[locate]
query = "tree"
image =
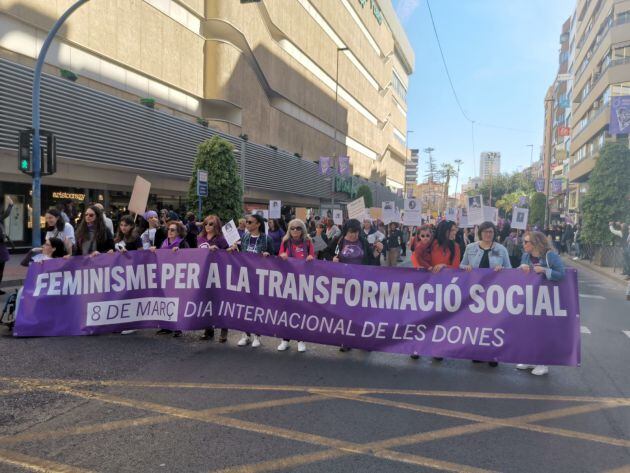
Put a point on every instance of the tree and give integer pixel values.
(607, 197)
(365, 192)
(225, 194)
(537, 209)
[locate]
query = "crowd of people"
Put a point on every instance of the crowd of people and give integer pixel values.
(433, 247)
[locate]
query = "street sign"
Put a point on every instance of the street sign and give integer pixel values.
(202, 183)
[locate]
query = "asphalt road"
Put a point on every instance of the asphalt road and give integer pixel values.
(147, 403)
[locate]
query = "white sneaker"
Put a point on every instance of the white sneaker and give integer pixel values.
(127, 332)
(284, 345)
(540, 370)
(521, 366)
(243, 341)
(255, 341)
(301, 347)
(575, 258)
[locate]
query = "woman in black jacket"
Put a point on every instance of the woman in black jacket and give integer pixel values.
(92, 236)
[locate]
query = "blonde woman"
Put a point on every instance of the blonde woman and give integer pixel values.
(296, 244)
(540, 258)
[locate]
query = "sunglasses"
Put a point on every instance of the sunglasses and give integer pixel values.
(90, 215)
(210, 224)
(295, 228)
(172, 229)
(425, 236)
(251, 222)
(527, 241)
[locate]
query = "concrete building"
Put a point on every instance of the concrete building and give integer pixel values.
(432, 196)
(411, 170)
(599, 63)
(489, 164)
(298, 79)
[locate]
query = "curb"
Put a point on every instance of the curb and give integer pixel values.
(595, 269)
(12, 283)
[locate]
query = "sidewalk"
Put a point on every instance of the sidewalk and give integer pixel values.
(607, 272)
(14, 274)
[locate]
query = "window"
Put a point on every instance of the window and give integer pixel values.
(399, 88)
(621, 53)
(623, 17)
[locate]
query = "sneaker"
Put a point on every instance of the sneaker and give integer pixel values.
(493, 364)
(255, 341)
(163, 331)
(437, 358)
(575, 258)
(243, 341)
(208, 334)
(540, 370)
(177, 333)
(415, 356)
(344, 349)
(284, 345)
(521, 366)
(127, 332)
(301, 347)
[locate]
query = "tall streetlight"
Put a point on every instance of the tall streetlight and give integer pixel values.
(37, 156)
(334, 153)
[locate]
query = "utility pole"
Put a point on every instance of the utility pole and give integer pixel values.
(459, 162)
(334, 153)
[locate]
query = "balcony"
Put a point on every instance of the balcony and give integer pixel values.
(591, 120)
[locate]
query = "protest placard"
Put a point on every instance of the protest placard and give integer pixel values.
(356, 208)
(519, 218)
(491, 214)
(475, 210)
(230, 233)
(139, 196)
(338, 216)
(274, 208)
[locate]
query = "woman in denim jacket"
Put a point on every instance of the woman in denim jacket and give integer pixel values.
(486, 253)
(539, 257)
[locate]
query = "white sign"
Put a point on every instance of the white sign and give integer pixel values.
(139, 196)
(338, 216)
(230, 232)
(491, 214)
(389, 212)
(412, 218)
(356, 208)
(274, 208)
(451, 214)
(463, 218)
(475, 210)
(414, 205)
(519, 218)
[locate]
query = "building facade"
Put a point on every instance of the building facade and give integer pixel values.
(599, 68)
(286, 81)
(411, 170)
(489, 164)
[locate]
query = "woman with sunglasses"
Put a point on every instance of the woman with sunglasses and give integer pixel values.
(296, 244)
(353, 248)
(421, 256)
(92, 236)
(541, 259)
(212, 239)
(254, 241)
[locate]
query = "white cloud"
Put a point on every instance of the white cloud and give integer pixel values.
(405, 9)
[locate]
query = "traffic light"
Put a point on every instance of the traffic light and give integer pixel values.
(48, 154)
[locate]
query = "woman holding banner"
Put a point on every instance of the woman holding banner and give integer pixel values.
(445, 253)
(353, 248)
(212, 239)
(540, 258)
(421, 255)
(57, 227)
(255, 240)
(486, 253)
(126, 238)
(296, 244)
(92, 235)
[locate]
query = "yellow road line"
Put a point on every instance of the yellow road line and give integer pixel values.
(36, 464)
(348, 390)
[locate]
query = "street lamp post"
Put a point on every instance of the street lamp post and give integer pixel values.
(334, 153)
(37, 156)
(459, 162)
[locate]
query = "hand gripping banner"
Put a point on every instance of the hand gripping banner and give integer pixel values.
(505, 316)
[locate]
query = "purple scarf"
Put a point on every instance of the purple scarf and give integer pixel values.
(168, 246)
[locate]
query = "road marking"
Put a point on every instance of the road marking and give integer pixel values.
(584, 329)
(36, 464)
(54, 385)
(592, 296)
(627, 332)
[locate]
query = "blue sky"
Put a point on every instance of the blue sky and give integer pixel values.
(502, 56)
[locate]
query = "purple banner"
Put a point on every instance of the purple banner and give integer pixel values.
(344, 165)
(324, 165)
(508, 316)
(539, 184)
(620, 115)
(556, 186)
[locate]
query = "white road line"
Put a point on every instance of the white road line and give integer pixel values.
(627, 332)
(591, 296)
(584, 329)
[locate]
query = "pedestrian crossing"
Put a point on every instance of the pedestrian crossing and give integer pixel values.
(587, 331)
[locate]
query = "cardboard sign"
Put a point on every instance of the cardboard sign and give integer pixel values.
(491, 214)
(412, 218)
(274, 208)
(139, 196)
(451, 214)
(519, 218)
(390, 213)
(356, 208)
(475, 210)
(414, 205)
(230, 232)
(338, 216)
